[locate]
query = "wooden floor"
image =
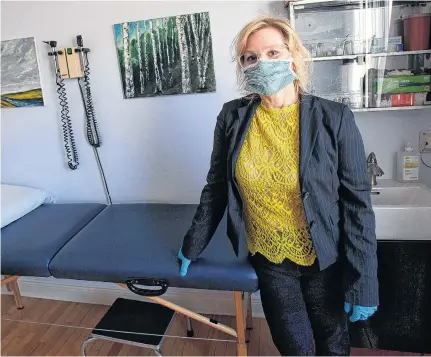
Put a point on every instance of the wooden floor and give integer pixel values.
(26, 339)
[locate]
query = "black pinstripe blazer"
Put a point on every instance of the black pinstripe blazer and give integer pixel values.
(335, 188)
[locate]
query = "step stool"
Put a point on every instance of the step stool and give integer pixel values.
(137, 317)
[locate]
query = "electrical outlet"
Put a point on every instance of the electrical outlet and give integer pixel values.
(425, 141)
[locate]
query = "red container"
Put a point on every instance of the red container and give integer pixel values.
(417, 32)
(403, 100)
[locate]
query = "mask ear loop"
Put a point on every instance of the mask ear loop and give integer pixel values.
(290, 60)
(291, 68)
(296, 81)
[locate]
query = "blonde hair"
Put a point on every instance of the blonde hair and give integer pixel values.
(300, 55)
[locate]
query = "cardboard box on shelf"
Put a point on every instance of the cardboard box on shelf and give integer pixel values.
(404, 84)
(391, 44)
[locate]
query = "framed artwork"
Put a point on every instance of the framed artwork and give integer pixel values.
(20, 76)
(170, 55)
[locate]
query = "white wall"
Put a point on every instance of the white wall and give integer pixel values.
(386, 133)
(150, 150)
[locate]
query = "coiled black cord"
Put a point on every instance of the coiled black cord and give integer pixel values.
(92, 127)
(69, 140)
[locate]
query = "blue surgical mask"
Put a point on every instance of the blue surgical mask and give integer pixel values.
(267, 77)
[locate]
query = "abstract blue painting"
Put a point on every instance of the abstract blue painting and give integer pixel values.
(20, 77)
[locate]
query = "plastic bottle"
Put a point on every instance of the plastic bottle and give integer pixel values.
(407, 164)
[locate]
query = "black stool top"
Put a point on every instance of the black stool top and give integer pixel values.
(135, 316)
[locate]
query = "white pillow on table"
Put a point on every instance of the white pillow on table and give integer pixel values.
(17, 201)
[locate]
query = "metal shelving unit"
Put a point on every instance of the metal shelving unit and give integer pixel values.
(369, 55)
(381, 109)
(372, 64)
(401, 53)
(333, 58)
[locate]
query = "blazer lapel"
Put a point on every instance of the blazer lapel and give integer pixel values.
(308, 129)
(245, 115)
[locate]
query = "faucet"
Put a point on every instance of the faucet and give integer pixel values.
(373, 169)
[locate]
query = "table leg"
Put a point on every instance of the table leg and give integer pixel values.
(12, 283)
(16, 294)
(249, 319)
(240, 324)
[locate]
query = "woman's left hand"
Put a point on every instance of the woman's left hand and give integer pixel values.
(359, 312)
(184, 263)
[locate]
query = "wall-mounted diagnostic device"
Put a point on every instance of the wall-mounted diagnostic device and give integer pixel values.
(71, 63)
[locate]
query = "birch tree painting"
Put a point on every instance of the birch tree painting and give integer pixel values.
(171, 55)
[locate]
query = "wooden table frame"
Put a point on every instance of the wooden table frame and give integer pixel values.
(11, 281)
(244, 321)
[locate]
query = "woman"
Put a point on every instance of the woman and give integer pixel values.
(292, 168)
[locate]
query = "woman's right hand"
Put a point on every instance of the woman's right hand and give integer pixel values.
(184, 263)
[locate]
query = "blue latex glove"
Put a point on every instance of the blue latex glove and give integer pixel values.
(359, 312)
(184, 263)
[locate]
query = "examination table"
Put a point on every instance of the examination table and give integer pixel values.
(132, 245)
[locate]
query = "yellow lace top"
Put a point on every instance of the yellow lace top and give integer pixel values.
(268, 175)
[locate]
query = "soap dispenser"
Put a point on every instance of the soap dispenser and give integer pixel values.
(407, 164)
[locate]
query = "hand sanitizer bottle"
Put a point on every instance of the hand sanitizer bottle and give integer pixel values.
(407, 164)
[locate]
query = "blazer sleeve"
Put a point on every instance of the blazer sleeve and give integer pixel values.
(213, 200)
(357, 216)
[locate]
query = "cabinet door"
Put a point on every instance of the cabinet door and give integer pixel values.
(398, 58)
(367, 53)
(333, 33)
(403, 320)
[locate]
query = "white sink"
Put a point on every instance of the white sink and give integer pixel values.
(402, 197)
(403, 211)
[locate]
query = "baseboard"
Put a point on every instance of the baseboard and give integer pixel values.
(201, 301)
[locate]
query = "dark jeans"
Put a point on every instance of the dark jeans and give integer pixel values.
(301, 304)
